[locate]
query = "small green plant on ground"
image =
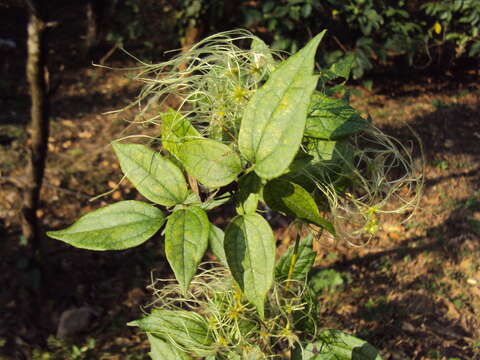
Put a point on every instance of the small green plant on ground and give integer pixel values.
(263, 134)
(57, 349)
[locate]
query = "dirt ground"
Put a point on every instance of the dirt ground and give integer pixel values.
(414, 292)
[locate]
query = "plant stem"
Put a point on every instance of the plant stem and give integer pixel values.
(294, 259)
(193, 184)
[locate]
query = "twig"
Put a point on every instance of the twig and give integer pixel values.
(340, 44)
(108, 54)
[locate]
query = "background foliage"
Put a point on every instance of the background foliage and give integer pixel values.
(410, 34)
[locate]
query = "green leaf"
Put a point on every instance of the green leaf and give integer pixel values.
(176, 129)
(293, 200)
(336, 345)
(185, 328)
(306, 10)
(186, 240)
(333, 158)
(250, 252)
(155, 177)
(274, 119)
(248, 194)
(335, 166)
(304, 263)
(321, 150)
(192, 199)
(216, 202)
(209, 204)
(302, 160)
(322, 161)
(122, 225)
(262, 55)
(332, 119)
(340, 68)
(210, 162)
(216, 238)
(326, 281)
(162, 350)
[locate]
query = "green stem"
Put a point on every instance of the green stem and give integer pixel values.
(294, 259)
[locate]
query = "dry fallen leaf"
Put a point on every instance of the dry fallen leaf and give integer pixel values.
(69, 123)
(85, 134)
(55, 181)
(67, 144)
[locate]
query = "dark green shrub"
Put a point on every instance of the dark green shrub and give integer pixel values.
(373, 31)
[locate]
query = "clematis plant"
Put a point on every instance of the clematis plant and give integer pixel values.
(259, 133)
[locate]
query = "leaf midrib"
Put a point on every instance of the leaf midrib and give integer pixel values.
(148, 174)
(66, 231)
(253, 226)
(293, 80)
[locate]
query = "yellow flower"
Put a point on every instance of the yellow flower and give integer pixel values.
(437, 28)
(212, 323)
(372, 225)
(221, 341)
(239, 94)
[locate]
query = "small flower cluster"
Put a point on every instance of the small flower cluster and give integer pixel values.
(210, 83)
(233, 324)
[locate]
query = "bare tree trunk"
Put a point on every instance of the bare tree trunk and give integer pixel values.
(91, 26)
(95, 11)
(39, 122)
(193, 32)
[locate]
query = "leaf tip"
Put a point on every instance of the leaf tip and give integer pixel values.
(55, 234)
